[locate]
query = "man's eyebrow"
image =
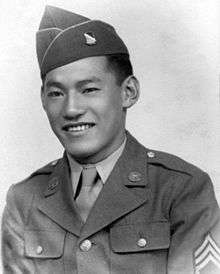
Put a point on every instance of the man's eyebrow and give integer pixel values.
(78, 84)
(54, 84)
(87, 81)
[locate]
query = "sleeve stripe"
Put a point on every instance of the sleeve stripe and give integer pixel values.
(206, 252)
(208, 241)
(205, 262)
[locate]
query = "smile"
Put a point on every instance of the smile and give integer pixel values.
(77, 128)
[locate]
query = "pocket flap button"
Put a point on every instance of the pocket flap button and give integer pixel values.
(142, 242)
(39, 249)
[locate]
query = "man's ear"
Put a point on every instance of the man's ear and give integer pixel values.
(130, 91)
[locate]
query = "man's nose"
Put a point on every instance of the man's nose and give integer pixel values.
(73, 107)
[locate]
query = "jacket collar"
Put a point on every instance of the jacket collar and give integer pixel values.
(115, 200)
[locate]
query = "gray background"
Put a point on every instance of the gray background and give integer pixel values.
(175, 52)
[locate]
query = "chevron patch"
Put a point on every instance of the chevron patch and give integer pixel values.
(207, 253)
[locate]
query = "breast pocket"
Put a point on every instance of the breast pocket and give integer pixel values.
(140, 248)
(140, 237)
(44, 244)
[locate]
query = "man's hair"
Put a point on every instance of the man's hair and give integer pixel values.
(120, 65)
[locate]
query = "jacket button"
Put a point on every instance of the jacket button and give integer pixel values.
(39, 249)
(142, 242)
(151, 154)
(86, 245)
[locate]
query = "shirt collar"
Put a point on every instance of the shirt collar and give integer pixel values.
(103, 167)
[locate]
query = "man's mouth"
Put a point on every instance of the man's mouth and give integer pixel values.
(78, 127)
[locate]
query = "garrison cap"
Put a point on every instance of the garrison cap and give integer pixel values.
(64, 37)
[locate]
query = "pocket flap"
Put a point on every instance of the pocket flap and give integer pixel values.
(44, 244)
(140, 237)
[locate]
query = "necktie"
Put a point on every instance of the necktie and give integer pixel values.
(91, 186)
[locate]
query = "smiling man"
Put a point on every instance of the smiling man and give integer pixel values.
(109, 205)
(86, 107)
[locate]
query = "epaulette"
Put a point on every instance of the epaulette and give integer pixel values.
(47, 169)
(171, 162)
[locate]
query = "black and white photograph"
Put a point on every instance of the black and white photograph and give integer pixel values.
(110, 137)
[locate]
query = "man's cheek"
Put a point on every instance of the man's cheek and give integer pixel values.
(53, 121)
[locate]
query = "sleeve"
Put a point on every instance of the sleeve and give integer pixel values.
(13, 258)
(195, 228)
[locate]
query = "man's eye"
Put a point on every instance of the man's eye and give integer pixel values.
(88, 90)
(54, 94)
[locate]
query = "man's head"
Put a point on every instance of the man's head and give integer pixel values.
(86, 98)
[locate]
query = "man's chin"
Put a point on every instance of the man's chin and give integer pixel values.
(81, 154)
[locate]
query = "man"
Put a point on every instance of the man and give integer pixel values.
(109, 205)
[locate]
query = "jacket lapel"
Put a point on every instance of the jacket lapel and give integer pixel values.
(57, 203)
(117, 198)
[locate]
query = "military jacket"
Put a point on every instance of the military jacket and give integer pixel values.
(155, 214)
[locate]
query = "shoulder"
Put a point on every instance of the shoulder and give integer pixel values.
(20, 196)
(160, 160)
(34, 183)
(178, 173)
(180, 181)
(162, 163)
(172, 162)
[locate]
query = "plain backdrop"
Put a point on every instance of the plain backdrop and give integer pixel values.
(174, 47)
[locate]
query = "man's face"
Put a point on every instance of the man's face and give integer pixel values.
(84, 105)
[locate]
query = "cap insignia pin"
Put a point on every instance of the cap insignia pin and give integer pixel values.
(90, 38)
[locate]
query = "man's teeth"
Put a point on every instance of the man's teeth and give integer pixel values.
(78, 128)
